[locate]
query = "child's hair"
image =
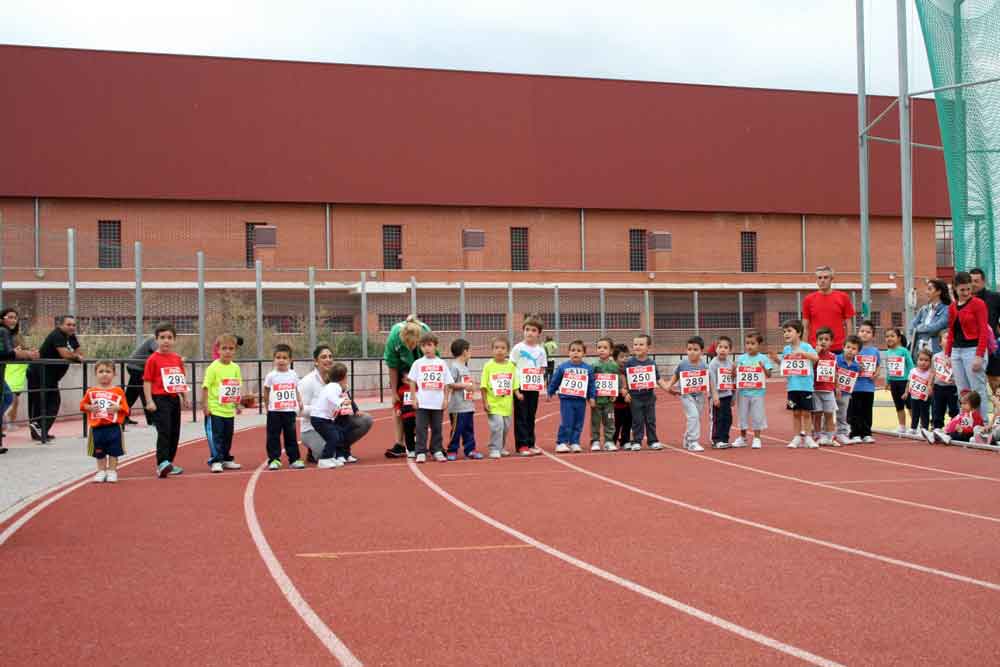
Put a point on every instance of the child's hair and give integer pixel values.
(697, 340)
(899, 334)
(824, 331)
(428, 337)
(320, 349)
(942, 333)
(337, 372)
(583, 346)
(607, 340)
(459, 346)
(282, 347)
(724, 339)
(972, 398)
(754, 336)
(532, 321)
(104, 363)
(853, 340)
(649, 339)
(548, 338)
(792, 324)
(925, 353)
(500, 339)
(164, 326)
(867, 323)
(618, 350)
(226, 338)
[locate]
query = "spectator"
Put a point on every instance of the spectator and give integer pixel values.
(135, 366)
(827, 307)
(968, 339)
(400, 352)
(43, 405)
(931, 319)
(10, 349)
(551, 348)
(992, 300)
(357, 425)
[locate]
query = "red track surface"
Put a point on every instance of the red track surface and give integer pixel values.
(165, 572)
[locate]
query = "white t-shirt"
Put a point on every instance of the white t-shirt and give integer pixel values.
(309, 388)
(432, 376)
(284, 394)
(528, 356)
(328, 402)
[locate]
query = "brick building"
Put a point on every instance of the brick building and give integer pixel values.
(677, 203)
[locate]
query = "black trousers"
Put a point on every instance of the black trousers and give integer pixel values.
(945, 399)
(134, 391)
(722, 419)
(167, 420)
(623, 424)
(281, 424)
(920, 413)
(44, 398)
(859, 413)
(524, 419)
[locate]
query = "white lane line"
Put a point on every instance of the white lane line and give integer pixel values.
(332, 642)
(913, 465)
(780, 531)
(628, 584)
(823, 485)
(895, 480)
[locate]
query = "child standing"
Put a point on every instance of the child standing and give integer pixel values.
(863, 397)
(963, 427)
(752, 371)
(848, 371)
(531, 360)
(106, 411)
(283, 400)
(165, 388)
(623, 413)
(607, 383)
(722, 382)
(220, 397)
(898, 364)
(641, 379)
(498, 384)
(919, 388)
(460, 405)
(692, 378)
(573, 380)
(945, 398)
(326, 406)
(429, 377)
(824, 386)
(797, 362)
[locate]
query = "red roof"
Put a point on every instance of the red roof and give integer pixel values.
(126, 125)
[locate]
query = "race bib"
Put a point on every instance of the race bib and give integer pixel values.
(501, 383)
(641, 377)
(965, 422)
(532, 379)
(283, 397)
(407, 398)
(606, 384)
(749, 377)
(346, 409)
(725, 379)
(468, 394)
(174, 381)
(432, 377)
(918, 387)
(574, 383)
(229, 391)
(826, 371)
(104, 401)
(942, 371)
(894, 367)
(846, 379)
(793, 364)
(868, 363)
(694, 382)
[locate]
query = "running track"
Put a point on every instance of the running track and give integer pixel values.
(875, 554)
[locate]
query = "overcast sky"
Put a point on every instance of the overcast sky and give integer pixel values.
(796, 44)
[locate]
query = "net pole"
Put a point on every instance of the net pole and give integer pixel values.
(202, 310)
(863, 183)
(312, 307)
(906, 167)
(259, 285)
(71, 269)
(138, 293)
(364, 315)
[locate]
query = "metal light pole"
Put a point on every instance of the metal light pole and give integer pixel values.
(866, 260)
(906, 168)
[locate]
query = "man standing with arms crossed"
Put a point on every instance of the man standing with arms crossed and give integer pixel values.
(827, 307)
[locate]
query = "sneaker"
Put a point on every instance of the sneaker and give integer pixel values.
(868, 439)
(610, 447)
(739, 442)
(476, 456)
(841, 439)
(856, 440)
(112, 477)
(636, 446)
(440, 457)
(36, 431)
(494, 453)
(796, 442)
(163, 469)
(351, 458)
(535, 451)
(575, 448)
(231, 465)
(342, 459)
(900, 431)
(397, 451)
(810, 443)
(656, 445)
(692, 446)
(755, 444)
(452, 456)
(720, 445)
(176, 470)
(562, 448)
(410, 454)
(298, 464)
(914, 434)
(825, 440)
(100, 477)
(927, 435)
(524, 451)
(328, 463)
(504, 453)
(595, 446)
(216, 467)
(421, 458)
(130, 422)
(274, 464)
(941, 436)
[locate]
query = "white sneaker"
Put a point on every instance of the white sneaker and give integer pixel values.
(755, 444)
(100, 477)
(216, 467)
(595, 446)
(796, 442)
(900, 431)
(494, 453)
(868, 439)
(914, 433)
(842, 439)
(504, 453)
(942, 436)
(440, 457)
(610, 447)
(231, 465)
(739, 442)
(656, 445)
(856, 440)
(636, 446)
(824, 440)
(328, 463)
(411, 454)
(810, 443)
(342, 460)
(112, 476)
(928, 435)
(576, 449)
(421, 458)
(720, 445)
(352, 459)
(562, 448)
(694, 447)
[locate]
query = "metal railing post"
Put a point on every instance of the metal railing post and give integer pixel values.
(364, 316)
(649, 313)
(312, 308)
(259, 279)
(694, 303)
(71, 270)
(510, 312)
(601, 301)
(798, 303)
(461, 308)
(555, 297)
(138, 292)
(739, 298)
(413, 295)
(201, 304)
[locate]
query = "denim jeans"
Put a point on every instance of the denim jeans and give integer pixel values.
(968, 380)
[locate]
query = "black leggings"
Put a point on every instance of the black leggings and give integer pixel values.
(897, 389)
(945, 399)
(920, 413)
(859, 413)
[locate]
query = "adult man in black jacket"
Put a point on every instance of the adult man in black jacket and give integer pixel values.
(43, 405)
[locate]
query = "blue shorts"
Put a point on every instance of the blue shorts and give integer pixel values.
(106, 441)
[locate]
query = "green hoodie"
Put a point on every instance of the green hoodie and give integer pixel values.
(609, 366)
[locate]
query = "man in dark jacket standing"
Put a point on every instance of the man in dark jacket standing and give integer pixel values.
(43, 405)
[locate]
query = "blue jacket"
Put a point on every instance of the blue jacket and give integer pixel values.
(557, 380)
(919, 331)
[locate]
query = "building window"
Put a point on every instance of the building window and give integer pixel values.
(943, 235)
(109, 244)
(392, 246)
(251, 239)
(637, 249)
(748, 252)
(518, 248)
(897, 319)
(787, 316)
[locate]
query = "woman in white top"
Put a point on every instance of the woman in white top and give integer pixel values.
(309, 387)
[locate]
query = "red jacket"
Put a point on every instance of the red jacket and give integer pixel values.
(972, 319)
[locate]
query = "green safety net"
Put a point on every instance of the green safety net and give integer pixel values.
(963, 46)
